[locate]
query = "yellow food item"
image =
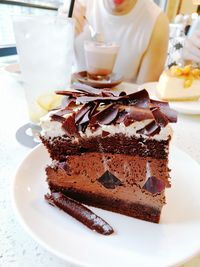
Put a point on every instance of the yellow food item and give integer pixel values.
(36, 113)
(43, 105)
(187, 73)
(187, 83)
(173, 85)
(49, 101)
(187, 69)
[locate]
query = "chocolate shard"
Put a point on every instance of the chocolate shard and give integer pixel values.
(70, 102)
(69, 126)
(93, 111)
(109, 181)
(82, 127)
(62, 112)
(106, 94)
(128, 121)
(83, 111)
(91, 91)
(86, 89)
(140, 99)
(105, 133)
(160, 118)
(165, 109)
(85, 99)
(69, 93)
(138, 114)
(79, 212)
(85, 119)
(106, 116)
(154, 185)
(150, 129)
(121, 116)
(122, 93)
(55, 117)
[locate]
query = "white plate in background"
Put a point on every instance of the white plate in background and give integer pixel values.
(185, 107)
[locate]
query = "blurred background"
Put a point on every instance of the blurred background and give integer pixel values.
(181, 14)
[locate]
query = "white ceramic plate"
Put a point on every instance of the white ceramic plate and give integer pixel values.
(186, 107)
(135, 242)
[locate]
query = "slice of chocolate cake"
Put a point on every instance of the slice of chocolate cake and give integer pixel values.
(110, 150)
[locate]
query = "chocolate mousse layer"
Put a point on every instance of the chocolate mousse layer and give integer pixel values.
(131, 185)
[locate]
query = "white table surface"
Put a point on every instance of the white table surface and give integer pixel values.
(16, 247)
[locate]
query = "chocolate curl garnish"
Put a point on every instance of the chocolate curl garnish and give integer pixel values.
(58, 118)
(93, 111)
(74, 93)
(82, 117)
(69, 126)
(79, 212)
(140, 99)
(165, 109)
(160, 118)
(62, 112)
(106, 116)
(106, 94)
(85, 99)
(150, 129)
(91, 91)
(82, 112)
(138, 114)
(70, 103)
(122, 93)
(121, 116)
(86, 89)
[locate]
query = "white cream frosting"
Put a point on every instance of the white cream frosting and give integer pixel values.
(52, 129)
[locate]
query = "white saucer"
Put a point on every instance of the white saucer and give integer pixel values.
(135, 242)
(14, 70)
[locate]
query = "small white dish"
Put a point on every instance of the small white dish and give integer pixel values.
(185, 107)
(14, 70)
(135, 242)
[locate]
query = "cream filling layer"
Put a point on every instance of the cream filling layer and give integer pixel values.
(53, 129)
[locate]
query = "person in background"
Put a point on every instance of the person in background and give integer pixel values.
(191, 49)
(139, 27)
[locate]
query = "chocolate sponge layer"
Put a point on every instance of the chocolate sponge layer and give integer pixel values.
(60, 147)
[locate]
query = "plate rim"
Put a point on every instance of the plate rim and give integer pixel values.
(48, 248)
(22, 221)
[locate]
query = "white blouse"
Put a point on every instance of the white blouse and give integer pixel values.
(132, 32)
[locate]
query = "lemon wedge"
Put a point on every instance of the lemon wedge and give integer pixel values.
(49, 101)
(36, 113)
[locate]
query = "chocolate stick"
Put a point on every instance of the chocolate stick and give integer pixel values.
(79, 212)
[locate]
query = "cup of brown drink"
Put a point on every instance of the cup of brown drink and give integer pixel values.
(100, 59)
